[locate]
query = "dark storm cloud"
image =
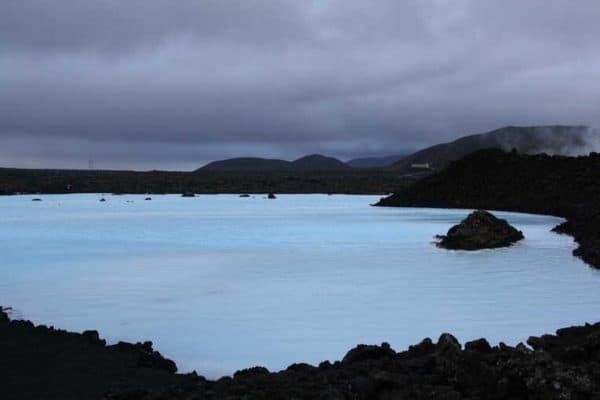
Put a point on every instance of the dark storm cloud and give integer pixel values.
(164, 84)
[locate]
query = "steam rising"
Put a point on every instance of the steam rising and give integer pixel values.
(553, 140)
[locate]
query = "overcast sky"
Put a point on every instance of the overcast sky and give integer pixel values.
(163, 84)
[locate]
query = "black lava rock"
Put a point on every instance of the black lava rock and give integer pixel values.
(479, 345)
(369, 352)
(447, 344)
(480, 230)
(3, 316)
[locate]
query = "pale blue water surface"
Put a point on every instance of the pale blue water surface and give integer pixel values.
(220, 283)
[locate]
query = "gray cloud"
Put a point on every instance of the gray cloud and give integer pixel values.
(163, 84)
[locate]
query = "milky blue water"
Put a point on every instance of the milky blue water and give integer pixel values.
(220, 283)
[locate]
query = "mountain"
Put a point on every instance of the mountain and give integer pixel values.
(552, 139)
(317, 162)
(374, 162)
(247, 164)
(313, 162)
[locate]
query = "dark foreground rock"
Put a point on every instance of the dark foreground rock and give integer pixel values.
(567, 187)
(480, 230)
(40, 362)
(44, 363)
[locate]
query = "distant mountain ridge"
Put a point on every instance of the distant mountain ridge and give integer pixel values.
(319, 162)
(375, 162)
(246, 164)
(312, 162)
(551, 139)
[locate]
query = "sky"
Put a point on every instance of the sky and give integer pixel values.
(163, 84)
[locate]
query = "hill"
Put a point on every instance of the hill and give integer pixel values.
(552, 139)
(247, 164)
(374, 162)
(495, 180)
(313, 162)
(317, 162)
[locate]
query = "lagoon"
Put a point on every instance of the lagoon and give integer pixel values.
(221, 283)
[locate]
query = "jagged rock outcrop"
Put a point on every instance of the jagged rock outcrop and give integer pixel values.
(480, 230)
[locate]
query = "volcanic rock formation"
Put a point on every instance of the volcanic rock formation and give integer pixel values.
(480, 230)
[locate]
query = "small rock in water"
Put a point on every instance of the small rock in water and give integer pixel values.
(188, 194)
(148, 198)
(36, 199)
(244, 195)
(271, 196)
(102, 200)
(480, 230)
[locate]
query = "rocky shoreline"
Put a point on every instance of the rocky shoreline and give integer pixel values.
(566, 187)
(42, 362)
